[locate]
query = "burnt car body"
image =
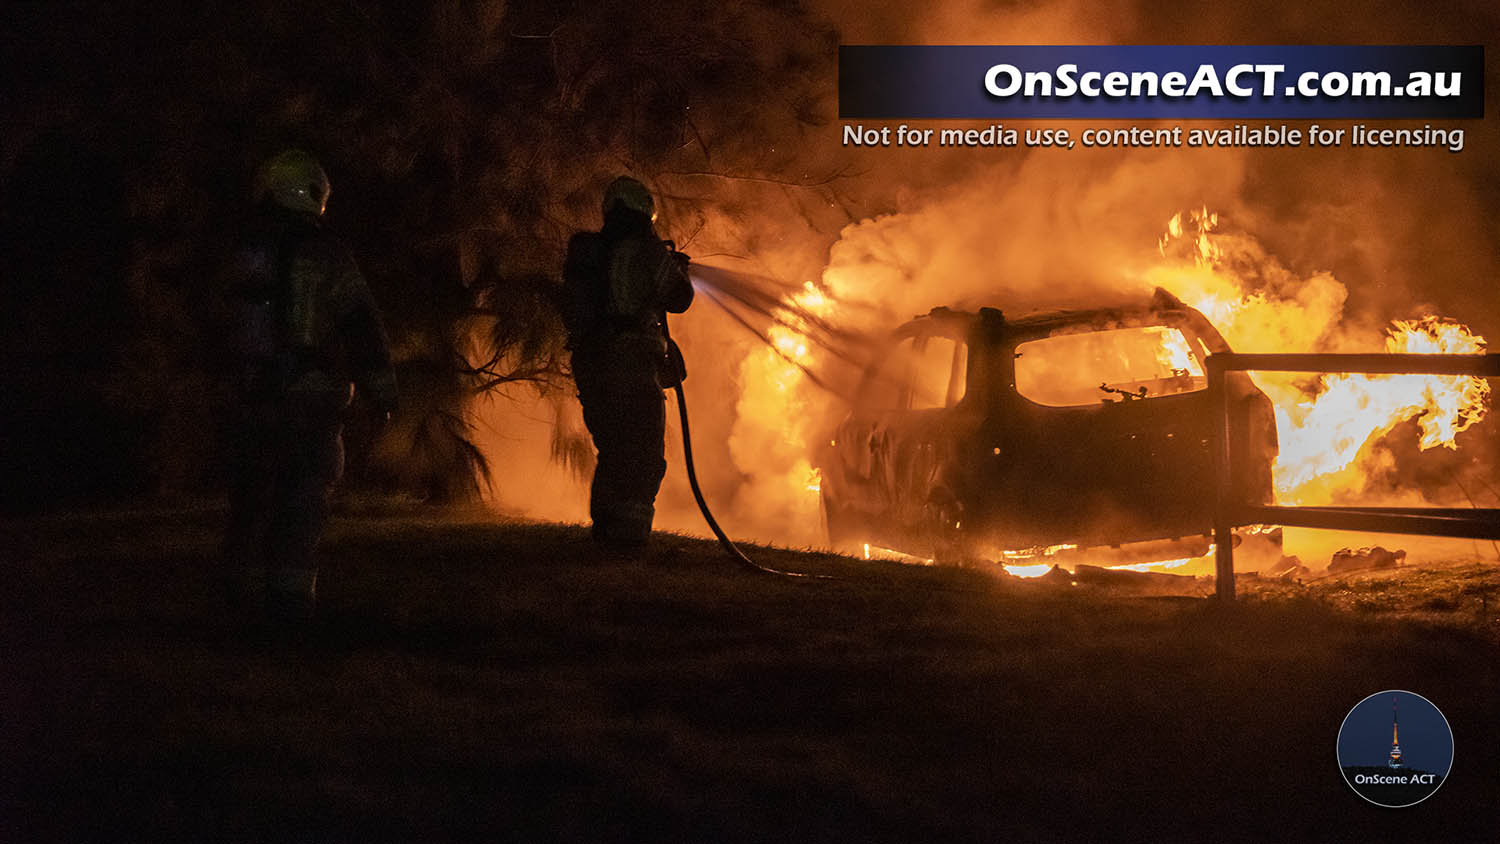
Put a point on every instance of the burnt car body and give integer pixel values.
(972, 436)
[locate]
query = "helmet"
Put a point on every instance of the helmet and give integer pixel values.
(631, 194)
(294, 180)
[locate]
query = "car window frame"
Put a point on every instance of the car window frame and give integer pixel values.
(919, 333)
(1191, 332)
(875, 370)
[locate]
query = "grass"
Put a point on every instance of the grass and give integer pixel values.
(475, 680)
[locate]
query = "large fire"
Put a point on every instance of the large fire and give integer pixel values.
(1325, 423)
(1325, 426)
(1322, 437)
(778, 416)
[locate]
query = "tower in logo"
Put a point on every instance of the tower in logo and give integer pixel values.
(1395, 760)
(1385, 774)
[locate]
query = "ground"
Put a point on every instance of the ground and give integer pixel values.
(473, 679)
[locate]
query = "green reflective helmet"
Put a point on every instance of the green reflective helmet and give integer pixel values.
(631, 194)
(293, 179)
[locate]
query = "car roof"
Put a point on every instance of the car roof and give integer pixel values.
(1160, 306)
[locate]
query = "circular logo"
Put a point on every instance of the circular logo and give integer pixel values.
(1395, 748)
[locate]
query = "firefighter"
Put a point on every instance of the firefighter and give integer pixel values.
(302, 331)
(618, 284)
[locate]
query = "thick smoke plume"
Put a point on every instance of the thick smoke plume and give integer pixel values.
(1316, 250)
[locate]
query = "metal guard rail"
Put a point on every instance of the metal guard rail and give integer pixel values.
(1229, 513)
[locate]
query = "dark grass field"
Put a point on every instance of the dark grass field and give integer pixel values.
(471, 680)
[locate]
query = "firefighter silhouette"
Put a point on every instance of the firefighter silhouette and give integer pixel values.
(302, 330)
(618, 284)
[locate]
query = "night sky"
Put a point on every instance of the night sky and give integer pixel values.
(1425, 744)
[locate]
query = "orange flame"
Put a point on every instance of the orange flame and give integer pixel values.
(1321, 438)
(1323, 431)
(774, 430)
(1258, 305)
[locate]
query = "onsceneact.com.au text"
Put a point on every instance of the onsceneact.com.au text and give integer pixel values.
(1241, 80)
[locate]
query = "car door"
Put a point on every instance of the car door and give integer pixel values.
(1117, 438)
(919, 440)
(863, 439)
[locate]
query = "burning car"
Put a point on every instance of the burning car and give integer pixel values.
(974, 437)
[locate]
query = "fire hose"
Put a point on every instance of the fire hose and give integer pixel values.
(728, 544)
(675, 355)
(724, 541)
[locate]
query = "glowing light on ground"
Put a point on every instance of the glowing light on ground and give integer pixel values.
(1029, 571)
(1033, 553)
(1156, 566)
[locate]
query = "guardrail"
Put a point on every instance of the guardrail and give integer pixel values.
(1470, 523)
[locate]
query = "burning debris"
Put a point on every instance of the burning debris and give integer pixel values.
(1086, 575)
(1374, 557)
(1287, 568)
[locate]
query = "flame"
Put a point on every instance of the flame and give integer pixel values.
(1033, 569)
(775, 426)
(1323, 430)
(1326, 424)
(1154, 566)
(1042, 551)
(1039, 569)
(1322, 437)
(1029, 571)
(815, 480)
(1175, 353)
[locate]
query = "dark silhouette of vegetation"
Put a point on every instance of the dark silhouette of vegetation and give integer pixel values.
(465, 141)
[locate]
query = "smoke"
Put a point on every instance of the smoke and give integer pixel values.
(517, 428)
(1322, 248)
(1064, 229)
(1405, 229)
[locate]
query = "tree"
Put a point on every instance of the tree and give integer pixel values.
(465, 142)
